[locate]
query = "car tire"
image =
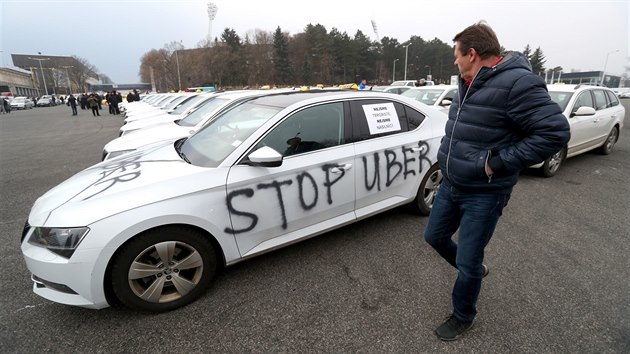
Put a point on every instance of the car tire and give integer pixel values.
(610, 141)
(552, 164)
(427, 191)
(163, 269)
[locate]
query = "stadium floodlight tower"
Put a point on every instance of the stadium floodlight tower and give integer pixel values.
(375, 27)
(212, 13)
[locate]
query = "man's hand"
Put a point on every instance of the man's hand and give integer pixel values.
(489, 171)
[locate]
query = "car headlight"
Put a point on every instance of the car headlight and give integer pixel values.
(118, 153)
(62, 241)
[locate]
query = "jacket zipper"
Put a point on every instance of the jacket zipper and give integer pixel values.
(450, 144)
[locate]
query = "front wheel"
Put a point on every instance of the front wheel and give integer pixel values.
(163, 269)
(427, 191)
(610, 142)
(552, 164)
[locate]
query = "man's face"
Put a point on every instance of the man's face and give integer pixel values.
(463, 61)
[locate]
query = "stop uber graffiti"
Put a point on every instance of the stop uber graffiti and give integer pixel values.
(398, 163)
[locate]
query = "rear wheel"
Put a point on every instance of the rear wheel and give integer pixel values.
(610, 141)
(427, 191)
(552, 164)
(163, 269)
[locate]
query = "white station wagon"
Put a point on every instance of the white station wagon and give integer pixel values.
(151, 228)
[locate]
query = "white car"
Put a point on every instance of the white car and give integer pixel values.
(440, 96)
(151, 228)
(596, 118)
(161, 130)
(22, 103)
(132, 124)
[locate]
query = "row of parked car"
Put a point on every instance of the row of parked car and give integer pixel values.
(199, 181)
(21, 102)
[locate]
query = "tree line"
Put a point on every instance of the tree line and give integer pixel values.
(315, 56)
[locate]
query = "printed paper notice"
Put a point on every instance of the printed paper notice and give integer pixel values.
(381, 118)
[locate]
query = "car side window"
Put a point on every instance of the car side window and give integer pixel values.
(612, 99)
(308, 130)
(414, 117)
(451, 94)
(583, 100)
(384, 118)
(600, 99)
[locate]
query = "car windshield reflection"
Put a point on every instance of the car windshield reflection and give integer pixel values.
(217, 140)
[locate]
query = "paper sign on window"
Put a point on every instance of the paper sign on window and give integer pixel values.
(381, 118)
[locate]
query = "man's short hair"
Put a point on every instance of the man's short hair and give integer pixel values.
(481, 37)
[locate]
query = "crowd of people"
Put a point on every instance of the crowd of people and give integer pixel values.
(92, 101)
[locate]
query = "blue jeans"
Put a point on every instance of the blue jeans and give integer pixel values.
(476, 216)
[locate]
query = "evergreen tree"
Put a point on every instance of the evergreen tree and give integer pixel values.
(537, 61)
(281, 62)
(528, 52)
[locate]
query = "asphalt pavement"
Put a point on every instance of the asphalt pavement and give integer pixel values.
(559, 268)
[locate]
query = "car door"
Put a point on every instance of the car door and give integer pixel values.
(310, 193)
(607, 114)
(390, 153)
(582, 127)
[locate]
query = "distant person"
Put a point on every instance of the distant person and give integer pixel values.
(1, 105)
(83, 101)
(72, 102)
(421, 82)
(6, 105)
(93, 102)
(363, 84)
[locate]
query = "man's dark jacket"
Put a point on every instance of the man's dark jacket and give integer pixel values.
(506, 118)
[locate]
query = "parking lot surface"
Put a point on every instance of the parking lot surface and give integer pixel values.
(559, 268)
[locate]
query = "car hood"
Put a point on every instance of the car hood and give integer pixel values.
(121, 184)
(149, 121)
(149, 135)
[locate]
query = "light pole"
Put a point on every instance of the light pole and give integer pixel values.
(394, 71)
(179, 78)
(429, 66)
(42, 69)
(406, 52)
(606, 64)
(68, 77)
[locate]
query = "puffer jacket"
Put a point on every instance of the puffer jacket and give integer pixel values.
(506, 118)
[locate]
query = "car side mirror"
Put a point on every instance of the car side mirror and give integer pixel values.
(446, 102)
(584, 111)
(264, 157)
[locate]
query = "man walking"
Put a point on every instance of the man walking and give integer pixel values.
(502, 122)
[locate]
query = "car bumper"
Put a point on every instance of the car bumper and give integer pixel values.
(67, 281)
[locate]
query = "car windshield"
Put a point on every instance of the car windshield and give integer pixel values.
(19, 99)
(177, 101)
(217, 140)
(191, 102)
(428, 97)
(561, 98)
(202, 112)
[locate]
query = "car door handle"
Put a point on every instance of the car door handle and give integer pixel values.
(341, 168)
(422, 148)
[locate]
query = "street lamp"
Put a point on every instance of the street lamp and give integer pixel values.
(606, 64)
(394, 71)
(42, 69)
(406, 52)
(179, 78)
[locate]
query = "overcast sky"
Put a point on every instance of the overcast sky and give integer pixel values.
(114, 34)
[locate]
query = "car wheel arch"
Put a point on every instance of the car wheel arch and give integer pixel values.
(107, 278)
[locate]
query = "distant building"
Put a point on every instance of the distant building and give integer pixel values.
(62, 74)
(586, 77)
(17, 83)
(141, 87)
